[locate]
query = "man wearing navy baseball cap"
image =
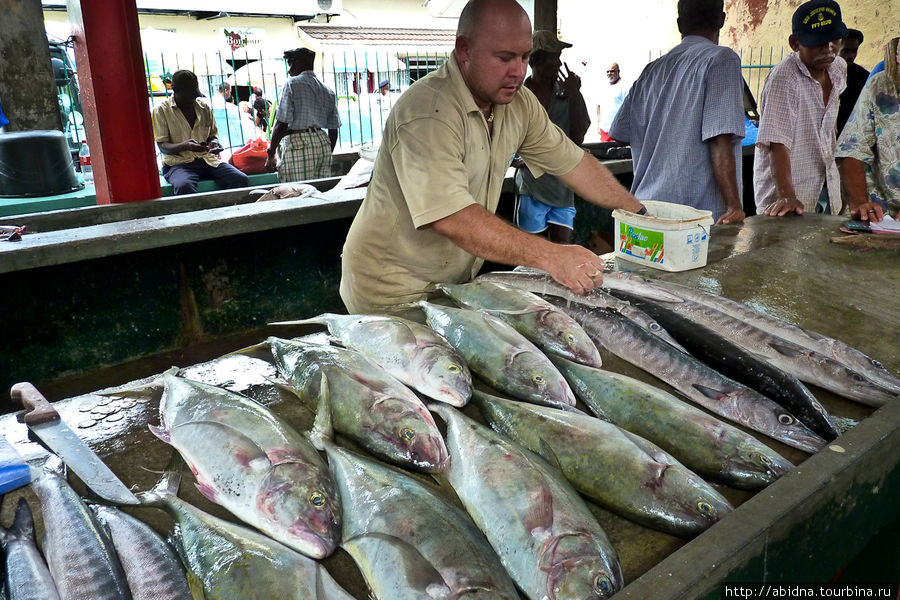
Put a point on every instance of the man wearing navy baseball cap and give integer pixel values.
(794, 169)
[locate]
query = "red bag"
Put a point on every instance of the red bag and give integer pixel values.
(251, 158)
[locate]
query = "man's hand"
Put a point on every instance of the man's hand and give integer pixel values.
(868, 211)
(214, 147)
(784, 206)
(193, 145)
(575, 267)
(270, 164)
(732, 215)
(570, 82)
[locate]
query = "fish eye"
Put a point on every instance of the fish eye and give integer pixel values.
(602, 584)
(765, 460)
(317, 499)
(785, 419)
(538, 379)
(570, 339)
(654, 326)
(705, 507)
(407, 434)
(453, 368)
(877, 363)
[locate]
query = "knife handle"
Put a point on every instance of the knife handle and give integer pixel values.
(39, 410)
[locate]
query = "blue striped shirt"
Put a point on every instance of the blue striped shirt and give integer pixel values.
(680, 101)
(306, 102)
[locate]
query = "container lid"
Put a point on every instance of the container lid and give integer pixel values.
(666, 215)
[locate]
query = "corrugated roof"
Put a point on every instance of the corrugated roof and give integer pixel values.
(377, 36)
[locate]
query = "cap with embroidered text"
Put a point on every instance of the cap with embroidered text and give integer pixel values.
(818, 22)
(546, 40)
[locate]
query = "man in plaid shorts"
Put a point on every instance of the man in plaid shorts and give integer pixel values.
(305, 110)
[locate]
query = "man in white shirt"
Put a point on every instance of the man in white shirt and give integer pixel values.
(611, 99)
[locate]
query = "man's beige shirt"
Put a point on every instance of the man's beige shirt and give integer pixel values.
(169, 125)
(436, 158)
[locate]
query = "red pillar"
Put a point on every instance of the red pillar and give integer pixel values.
(115, 100)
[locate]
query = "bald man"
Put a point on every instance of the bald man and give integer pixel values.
(611, 99)
(428, 215)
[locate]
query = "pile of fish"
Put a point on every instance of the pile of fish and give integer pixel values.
(522, 456)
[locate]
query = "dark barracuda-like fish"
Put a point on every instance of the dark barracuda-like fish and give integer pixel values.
(408, 541)
(251, 462)
(500, 355)
(410, 351)
(365, 403)
(26, 574)
(546, 326)
(705, 444)
(539, 282)
(233, 562)
(544, 534)
(80, 556)
(733, 361)
(621, 471)
(845, 354)
(705, 386)
(153, 570)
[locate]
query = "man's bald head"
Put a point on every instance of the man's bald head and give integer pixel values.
(478, 16)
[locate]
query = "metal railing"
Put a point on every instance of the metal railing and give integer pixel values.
(756, 64)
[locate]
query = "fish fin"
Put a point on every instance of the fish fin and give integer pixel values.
(195, 585)
(417, 572)
(498, 312)
(161, 432)
(318, 320)
(23, 523)
(709, 392)
(540, 517)
(261, 350)
(788, 349)
(152, 389)
(207, 489)
(284, 386)
(549, 455)
(322, 429)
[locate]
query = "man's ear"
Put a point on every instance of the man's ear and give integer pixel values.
(793, 42)
(721, 21)
(463, 48)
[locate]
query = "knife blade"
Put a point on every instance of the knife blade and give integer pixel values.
(45, 423)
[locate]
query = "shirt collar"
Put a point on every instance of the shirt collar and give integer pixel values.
(691, 40)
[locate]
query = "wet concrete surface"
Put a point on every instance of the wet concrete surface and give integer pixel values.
(785, 267)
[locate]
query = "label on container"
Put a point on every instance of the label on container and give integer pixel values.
(85, 161)
(644, 244)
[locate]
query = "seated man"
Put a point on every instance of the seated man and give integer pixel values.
(178, 124)
(869, 147)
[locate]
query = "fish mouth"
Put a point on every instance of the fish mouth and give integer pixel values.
(430, 456)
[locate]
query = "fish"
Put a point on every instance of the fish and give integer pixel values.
(806, 365)
(543, 284)
(543, 324)
(500, 355)
(845, 354)
(232, 561)
(408, 540)
(152, 568)
(80, 556)
(26, 574)
(546, 537)
(745, 367)
(708, 446)
(416, 355)
(365, 403)
(621, 471)
(700, 383)
(252, 463)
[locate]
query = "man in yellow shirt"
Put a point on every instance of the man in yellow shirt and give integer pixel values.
(428, 215)
(185, 131)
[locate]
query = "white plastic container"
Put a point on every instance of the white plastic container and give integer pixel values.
(670, 237)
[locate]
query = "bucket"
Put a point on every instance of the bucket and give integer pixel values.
(36, 163)
(670, 237)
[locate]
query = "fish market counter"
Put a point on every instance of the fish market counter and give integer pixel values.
(198, 290)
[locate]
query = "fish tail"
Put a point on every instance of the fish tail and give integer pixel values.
(150, 389)
(23, 523)
(322, 431)
(167, 485)
(322, 319)
(438, 409)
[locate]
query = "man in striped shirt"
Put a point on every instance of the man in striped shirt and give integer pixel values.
(305, 110)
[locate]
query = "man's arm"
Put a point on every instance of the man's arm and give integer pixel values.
(190, 145)
(479, 232)
(721, 154)
(784, 186)
(278, 132)
(593, 182)
(333, 136)
(853, 178)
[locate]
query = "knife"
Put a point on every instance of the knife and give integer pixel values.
(44, 422)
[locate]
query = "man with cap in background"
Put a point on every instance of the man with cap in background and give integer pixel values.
(856, 76)
(545, 204)
(306, 109)
(794, 169)
(684, 119)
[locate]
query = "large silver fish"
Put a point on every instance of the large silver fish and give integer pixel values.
(26, 574)
(501, 355)
(231, 561)
(621, 471)
(252, 463)
(410, 542)
(410, 351)
(80, 556)
(539, 282)
(694, 379)
(546, 326)
(153, 570)
(365, 402)
(845, 354)
(705, 444)
(544, 534)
